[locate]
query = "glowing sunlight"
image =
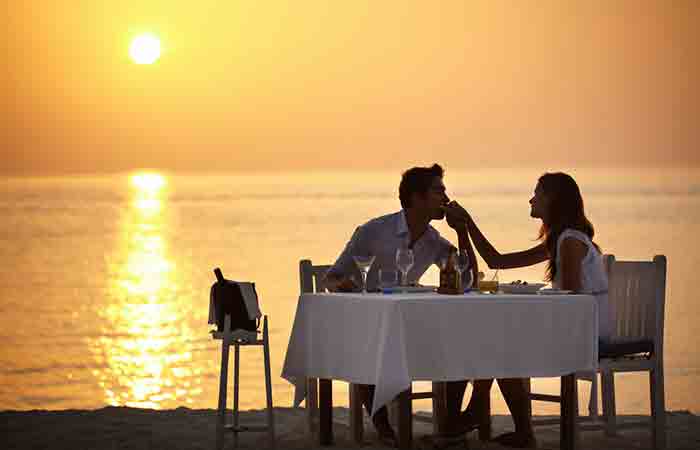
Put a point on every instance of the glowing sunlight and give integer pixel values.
(144, 347)
(145, 49)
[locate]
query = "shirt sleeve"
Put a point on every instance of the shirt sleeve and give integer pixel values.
(356, 246)
(445, 247)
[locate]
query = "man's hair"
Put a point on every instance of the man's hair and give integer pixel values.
(417, 180)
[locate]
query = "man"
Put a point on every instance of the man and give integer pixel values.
(423, 199)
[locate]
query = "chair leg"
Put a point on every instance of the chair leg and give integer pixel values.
(439, 408)
(236, 367)
(485, 426)
(356, 415)
(658, 409)
(312, 413)
(221, 416)
(325, 416)
(405, 420)
(527, 383)
(268, 386)
(607, 384)
(593, 400)
(569, 412)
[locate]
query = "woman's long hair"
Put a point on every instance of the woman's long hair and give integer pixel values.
(565, 211)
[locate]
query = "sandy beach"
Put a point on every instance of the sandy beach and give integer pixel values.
(182, 428)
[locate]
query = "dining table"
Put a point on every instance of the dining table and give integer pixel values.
(392, 339)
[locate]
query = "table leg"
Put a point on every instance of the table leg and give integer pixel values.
(325, 400)
(485, 422)
(405, 423)
(569, 411)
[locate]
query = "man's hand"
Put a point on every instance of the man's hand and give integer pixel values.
(340, 284)
(347, 285)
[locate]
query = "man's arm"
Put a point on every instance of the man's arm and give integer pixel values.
(339, 276)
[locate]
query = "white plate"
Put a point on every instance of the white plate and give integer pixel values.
(553, 292)
(530, 288)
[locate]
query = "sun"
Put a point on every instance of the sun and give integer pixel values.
(145, 49)
(148, 181)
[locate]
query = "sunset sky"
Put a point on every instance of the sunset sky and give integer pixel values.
(292, 85)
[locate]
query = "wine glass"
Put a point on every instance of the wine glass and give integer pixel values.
(404, 261)
(364, 263)
(461, 266)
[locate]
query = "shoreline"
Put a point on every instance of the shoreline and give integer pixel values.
(118, 427)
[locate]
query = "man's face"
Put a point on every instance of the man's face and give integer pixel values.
(433, 201)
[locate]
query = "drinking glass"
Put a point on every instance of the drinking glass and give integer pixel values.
(466, 278)
(404, 261)
(364, 263)
(489, 283)
(388, 279)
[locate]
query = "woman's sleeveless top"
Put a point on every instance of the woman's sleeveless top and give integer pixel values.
(594, 279)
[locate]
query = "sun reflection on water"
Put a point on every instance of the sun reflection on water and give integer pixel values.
(145, 344)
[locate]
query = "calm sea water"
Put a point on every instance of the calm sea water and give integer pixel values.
(104, 281)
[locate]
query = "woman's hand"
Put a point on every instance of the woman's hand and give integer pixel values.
(456, 213)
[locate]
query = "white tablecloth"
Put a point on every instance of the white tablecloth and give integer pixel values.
(391, 340)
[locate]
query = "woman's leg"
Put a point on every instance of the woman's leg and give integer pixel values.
(477, 409)
(480, 398)
(381, 417)
(518, 401)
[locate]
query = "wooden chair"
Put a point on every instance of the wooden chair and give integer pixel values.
(637, 295)
(238, 338)
(312, 279)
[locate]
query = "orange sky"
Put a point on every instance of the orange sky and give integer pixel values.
(263, 85)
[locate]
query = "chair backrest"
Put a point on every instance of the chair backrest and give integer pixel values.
(311, 278)
(637, 295)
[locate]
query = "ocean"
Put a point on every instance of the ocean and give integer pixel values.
(104, 280)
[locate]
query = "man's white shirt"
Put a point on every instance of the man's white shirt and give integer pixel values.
(381, 237)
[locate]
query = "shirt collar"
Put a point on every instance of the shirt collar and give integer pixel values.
(402, 226)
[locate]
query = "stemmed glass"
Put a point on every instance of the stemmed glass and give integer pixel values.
(404, 261)
(461, 266)
(489, 281)
(364, 263)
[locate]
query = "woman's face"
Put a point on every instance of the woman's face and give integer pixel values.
(539, 204)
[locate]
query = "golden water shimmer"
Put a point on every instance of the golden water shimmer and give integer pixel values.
(144, 344)
(105, 291)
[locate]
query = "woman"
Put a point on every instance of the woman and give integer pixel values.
(574, 263)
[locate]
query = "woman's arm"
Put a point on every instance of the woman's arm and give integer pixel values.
(493, 258)
(463, 236)
(571, 254)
